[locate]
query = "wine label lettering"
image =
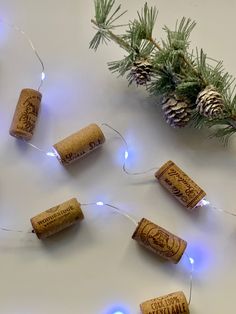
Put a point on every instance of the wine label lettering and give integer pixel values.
(179, 184)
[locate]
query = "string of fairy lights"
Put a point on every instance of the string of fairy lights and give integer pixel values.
(79, 144)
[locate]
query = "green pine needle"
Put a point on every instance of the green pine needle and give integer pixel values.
(179, 38)
(103, 14)
(104, 21)
(146, 21)
(121, 66)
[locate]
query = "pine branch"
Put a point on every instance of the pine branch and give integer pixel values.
(121, 66)
(179, 38)
(104, 34)
(104, 22)
(178, 41)
(169, 68)
(224, 134)
(146, 22)
(154, 43)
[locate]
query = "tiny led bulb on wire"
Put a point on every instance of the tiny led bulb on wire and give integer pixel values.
(126, 155)
(191, 260)
(43, 76)
(51, 154)
(203, 202)
(99, 203)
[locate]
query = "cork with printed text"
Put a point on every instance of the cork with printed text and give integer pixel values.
(26, 114)
(174, 303)
(57, 218)
(79, 144)
(159, 241)
(180, 185)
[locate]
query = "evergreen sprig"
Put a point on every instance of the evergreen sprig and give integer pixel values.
(143, 26)
(104, 21)
(179, 38)
(174, 69)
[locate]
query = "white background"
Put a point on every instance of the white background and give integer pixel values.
(96, 267)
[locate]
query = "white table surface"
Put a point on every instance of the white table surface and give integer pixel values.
(96, 267)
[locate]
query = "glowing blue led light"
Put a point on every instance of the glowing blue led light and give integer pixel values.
(101, 204)
(51, 154)
(117, 310)
(191, 260)
(43, 76)
(126, 157)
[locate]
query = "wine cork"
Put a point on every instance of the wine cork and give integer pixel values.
(79, 144)
(178, 183)
(174, 303)
(57, 218)
(26, 114)
(159, 241)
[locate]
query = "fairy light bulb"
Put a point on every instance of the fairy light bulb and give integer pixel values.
(119, 312)
(51, 154)
(204, 202)
(126, 155)
(191, 260)
(101, 204)
(43, 75)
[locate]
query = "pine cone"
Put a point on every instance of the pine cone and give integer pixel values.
(141, 72)
(210, 103)
(177, 111)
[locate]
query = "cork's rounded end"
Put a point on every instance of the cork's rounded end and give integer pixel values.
(102, 137)
(20, 134)
(159, 172)
(181, 293)
(78, 205)
(32, 91)
(55, 151)
(184, 245)
(35, 229)
(195, 203)
(137, 229)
